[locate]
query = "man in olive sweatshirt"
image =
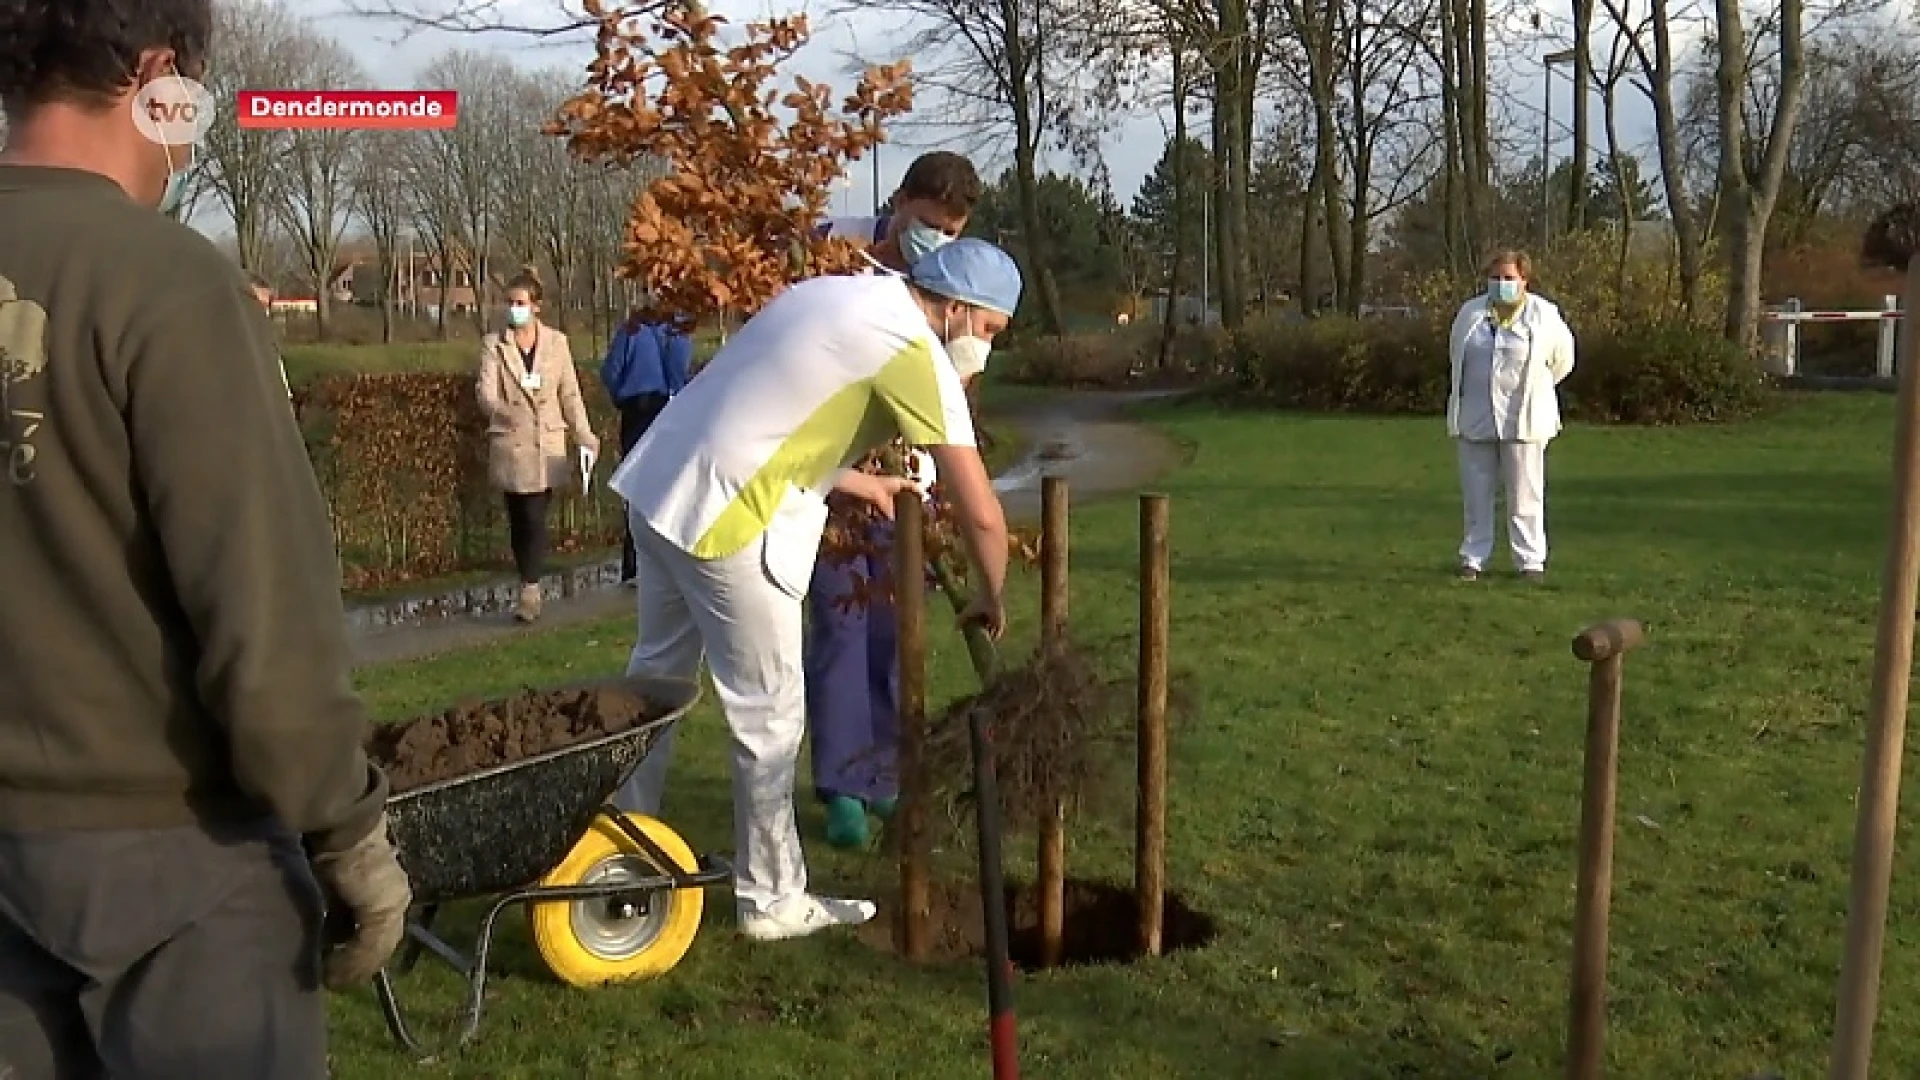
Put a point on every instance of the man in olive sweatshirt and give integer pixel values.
(182, 784)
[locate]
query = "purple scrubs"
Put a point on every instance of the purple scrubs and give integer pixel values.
(853, 684)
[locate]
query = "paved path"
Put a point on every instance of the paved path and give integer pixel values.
(1081, 435)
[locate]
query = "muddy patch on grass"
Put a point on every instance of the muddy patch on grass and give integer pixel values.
(1101, 921)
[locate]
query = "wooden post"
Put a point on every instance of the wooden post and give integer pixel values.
(1150, 819)
(1605, 647)
(1052, 856)
(1859, 995)
(913, 932)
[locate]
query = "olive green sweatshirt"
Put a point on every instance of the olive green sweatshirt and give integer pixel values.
(172, 644)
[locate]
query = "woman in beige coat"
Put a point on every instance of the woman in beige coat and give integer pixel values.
(530, 395)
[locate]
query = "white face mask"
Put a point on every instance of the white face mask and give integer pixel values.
(519, 315)
(968, 352)
(969, 355)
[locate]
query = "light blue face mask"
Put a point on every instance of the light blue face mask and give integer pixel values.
(1503, 290)
(919, 240)
(175, 192)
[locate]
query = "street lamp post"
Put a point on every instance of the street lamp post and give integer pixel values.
(1564, 56)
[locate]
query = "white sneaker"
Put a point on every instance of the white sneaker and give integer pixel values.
(803, 915)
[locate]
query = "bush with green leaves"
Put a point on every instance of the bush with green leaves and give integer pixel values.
(1337, 364)
(1662, 373)
(1114, 359)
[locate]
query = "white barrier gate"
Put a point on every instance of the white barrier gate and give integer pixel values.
(1780, 334)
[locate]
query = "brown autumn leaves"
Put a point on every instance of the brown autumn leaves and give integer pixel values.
(752, 168)
(733, 222)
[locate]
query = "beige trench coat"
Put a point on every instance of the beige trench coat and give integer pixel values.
(527, 430)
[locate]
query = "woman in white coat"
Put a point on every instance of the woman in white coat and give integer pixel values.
(1509, 351)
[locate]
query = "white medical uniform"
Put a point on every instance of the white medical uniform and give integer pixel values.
(1502, 411)
(726, 497)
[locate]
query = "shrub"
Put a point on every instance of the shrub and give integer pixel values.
(1658, 373)
(1116, 358)
(1581, 274)
(1338, 364)
(1105, 359)
(402, 460)
(1661, 373)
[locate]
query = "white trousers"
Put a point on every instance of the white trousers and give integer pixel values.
(730, 613)
(1520, 467)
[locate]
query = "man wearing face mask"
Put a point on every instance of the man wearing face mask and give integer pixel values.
(852, 667)
(726, 497)
(182, 784)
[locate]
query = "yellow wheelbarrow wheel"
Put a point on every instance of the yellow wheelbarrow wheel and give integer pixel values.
(593, 942)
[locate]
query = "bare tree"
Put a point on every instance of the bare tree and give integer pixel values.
(1316, 27)
(256, 50)
(1233, 40)
(1750, 192)
(989, 62)
(381, 196)
(1387, 133)
(1464, 35)
(471, 154)
(528, 178)
(1582, 78)
(1619, 65)
(435, 210)
(560, 18)
(1659, 75)
(317, 174)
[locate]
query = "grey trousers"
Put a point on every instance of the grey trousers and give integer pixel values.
(171, 954)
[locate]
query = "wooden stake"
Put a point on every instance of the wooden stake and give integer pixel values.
(1051, 871)
(1886, 732)
(1150, 819)
(912, 935)
(1605, 647)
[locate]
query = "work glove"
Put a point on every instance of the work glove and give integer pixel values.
(367, 900)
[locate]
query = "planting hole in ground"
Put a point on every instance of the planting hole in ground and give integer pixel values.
(1100, 925)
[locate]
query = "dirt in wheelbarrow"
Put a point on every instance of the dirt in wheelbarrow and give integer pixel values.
(473, 737)
(1100, 924)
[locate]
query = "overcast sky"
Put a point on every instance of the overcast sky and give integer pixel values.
(393, 55)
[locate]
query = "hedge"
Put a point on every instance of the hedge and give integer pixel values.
(402, 460)
(1658, 372)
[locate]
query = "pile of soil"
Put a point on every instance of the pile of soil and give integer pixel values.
(473, 737)
(1099, 922)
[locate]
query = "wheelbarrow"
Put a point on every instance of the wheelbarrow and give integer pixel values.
(610, 896)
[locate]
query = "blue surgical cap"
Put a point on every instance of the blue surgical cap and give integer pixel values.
(973, 272)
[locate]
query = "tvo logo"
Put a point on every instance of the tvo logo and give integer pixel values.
(173, 111)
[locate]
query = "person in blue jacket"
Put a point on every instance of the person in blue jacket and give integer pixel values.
(646, 364)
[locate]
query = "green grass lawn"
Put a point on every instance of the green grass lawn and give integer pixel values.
(1378, 798)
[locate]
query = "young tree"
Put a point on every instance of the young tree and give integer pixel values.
(733, 223)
